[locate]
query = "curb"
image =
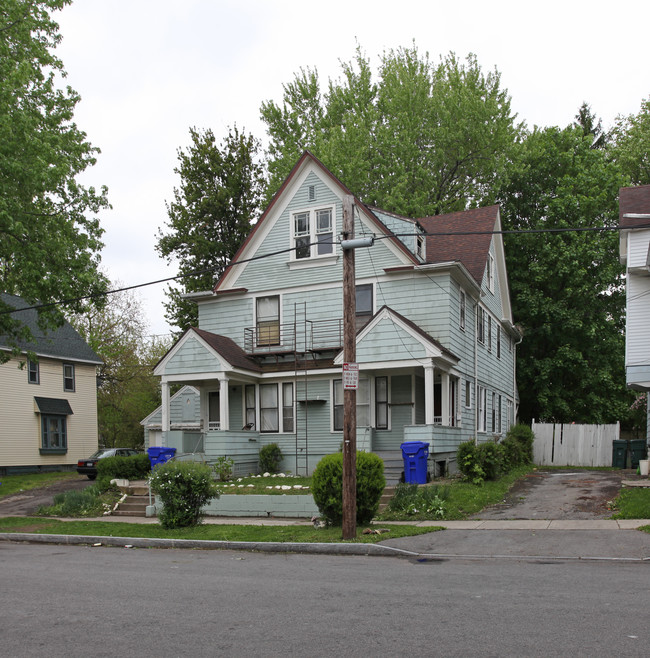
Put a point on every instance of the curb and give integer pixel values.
(267, 547)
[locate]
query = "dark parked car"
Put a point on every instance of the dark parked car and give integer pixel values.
(89, 466)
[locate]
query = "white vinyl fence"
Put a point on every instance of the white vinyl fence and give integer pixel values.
(573, 445)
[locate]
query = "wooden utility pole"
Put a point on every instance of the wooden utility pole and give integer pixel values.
(349, 396)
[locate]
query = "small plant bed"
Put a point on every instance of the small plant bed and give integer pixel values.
(306, 533)
(13, 484)
(97, 500)
(267, 484)
(632, 504)
(453, 500)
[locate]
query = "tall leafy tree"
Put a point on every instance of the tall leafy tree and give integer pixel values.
(567, 292)
(49, 230)
(128, 390)
(211, 213)
(631, 148)
(421, 140)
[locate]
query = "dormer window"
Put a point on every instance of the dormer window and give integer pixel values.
(419, 246)
(313, 233)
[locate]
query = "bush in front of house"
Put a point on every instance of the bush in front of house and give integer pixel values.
(468, 461)
(327, 487)
(135, 467)
(524, 436)
(184, 488)
(490, 457)
(270, 458)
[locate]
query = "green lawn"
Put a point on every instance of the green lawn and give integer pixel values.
(632, 504)
(271, 485)
(12, 484)
(307, 534)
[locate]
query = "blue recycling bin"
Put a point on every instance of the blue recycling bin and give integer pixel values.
(415, 455)
(158, 455)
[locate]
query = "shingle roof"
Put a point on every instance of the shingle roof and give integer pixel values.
(63, 342)
(228, 349)
(634, 200)
(470, 250)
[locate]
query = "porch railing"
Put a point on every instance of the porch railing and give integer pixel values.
(272, 339)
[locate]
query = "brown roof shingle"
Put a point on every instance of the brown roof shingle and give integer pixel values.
(470, 250)
(227, 347)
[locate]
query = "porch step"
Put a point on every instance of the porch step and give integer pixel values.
(133, 506)
(393, 465)
(389, 492)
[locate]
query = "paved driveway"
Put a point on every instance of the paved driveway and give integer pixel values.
(565, 494)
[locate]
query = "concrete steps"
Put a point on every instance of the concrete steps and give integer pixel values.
(385, 498)
(133, 506)
(393, 466)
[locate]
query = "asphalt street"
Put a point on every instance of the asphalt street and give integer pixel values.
(77, 601)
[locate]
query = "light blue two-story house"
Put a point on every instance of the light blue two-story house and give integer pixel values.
(435, 337)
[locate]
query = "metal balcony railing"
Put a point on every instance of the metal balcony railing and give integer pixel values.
(314, 335)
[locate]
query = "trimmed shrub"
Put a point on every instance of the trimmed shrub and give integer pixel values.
(135, 467)
(327, 487)
(184, 488)
(490, 457)
(270, 458)
(524, 435)
(469, 464)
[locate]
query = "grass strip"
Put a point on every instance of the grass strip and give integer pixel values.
(303, 534)
(632, 504)
(463, 499)
(13, 484)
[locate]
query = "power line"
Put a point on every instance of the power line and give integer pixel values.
(65, 302)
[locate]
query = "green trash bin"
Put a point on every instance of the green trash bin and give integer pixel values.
(638, 451)
(619, 453)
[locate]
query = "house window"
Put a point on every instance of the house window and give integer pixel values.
(269, 408)
(363, 404)
(490, 272)
(482, 409)
(468, 394)
(419, 246)
(287, 407)
(33, 372)
(489, 336)
(313, 233)
(381, 403)
(249, 395)
(498, 342)
(363, 298)
(214, 410)
(68, 377)
(494, 412)
(480, 325)
(453, 401)
(54, 436)
(499, 426)
(268, 320)
(463, 303)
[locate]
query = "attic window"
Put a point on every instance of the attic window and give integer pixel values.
(313, 233)
(490, 272)
(312, 193)
(419, 246)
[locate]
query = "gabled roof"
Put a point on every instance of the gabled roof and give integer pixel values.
(61, 343)
(471, 250)
(304, 160)
(634, 201)
(228, 349)
(220, 345)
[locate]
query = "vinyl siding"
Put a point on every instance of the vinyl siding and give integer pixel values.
(637, 250)
(20, 437)
(192, 357)
(637, 344)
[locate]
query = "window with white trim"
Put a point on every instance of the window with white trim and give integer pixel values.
(498, 342)
(313, 233)
(33, 372)
(381, 403)
(287, 407)
(68, 377)
(489, 333)
(494, 412)
(468, 394)
(463, 307)
(480, 325)
(269, 408)
(249, 414)
(490, 272)
(267, 310)
(482, 409)
(363, 404)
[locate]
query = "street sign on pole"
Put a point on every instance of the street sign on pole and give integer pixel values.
(350, 376)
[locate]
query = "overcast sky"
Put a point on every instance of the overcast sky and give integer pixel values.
(147, 70)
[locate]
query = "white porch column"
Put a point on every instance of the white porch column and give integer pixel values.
(428, 394)
(224, 420)
(164, 391)
(444, 397)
